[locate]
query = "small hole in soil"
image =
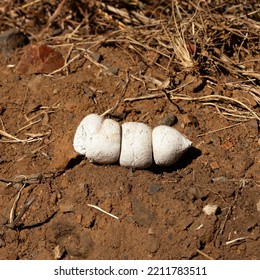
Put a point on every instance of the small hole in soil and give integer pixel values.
(200, 244)
(91, 225)
(74, 161)
(204, 197)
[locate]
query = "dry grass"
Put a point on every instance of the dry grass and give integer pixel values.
(216, 41)
(41, 116)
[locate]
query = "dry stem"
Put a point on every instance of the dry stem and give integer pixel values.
(251, 114)
(98, 208)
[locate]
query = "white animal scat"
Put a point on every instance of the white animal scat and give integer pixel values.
(136, 145)
(98, 139)
(89, 125)
(168, 145)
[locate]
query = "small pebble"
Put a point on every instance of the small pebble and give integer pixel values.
(193, 193)
(113, 70)
(211, 209)
(58, 252)
(79, 218)
(17, 78)
(152, 245)
(39, 59)
(152, 189)
(11, 40)
(227, 145)
(214, 165)
(96, 56)
(143, 216)
(89, 93)
(258, 206)
(169, 120)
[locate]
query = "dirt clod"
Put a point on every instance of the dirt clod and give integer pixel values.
(142, 215)
(152, 189)
(152, 244)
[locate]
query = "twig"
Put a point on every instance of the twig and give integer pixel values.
(29, 124)
(14, 139)
(236, 240)
(30, 4)
(32, 179)
(216, 98)
(64, 66)
(149, 96)
(20, 215)
(5, 134)
(120, 97)
(205, 255)
(53, 16)
(181, 86)
(11, 216)
(229, 212)
(98, 208)
(217, 130)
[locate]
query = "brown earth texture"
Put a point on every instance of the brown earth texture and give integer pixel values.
(192, 65)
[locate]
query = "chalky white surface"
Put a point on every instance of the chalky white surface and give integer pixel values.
(136, 145)
(210, 209)
(98, 139)
(168, 145)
